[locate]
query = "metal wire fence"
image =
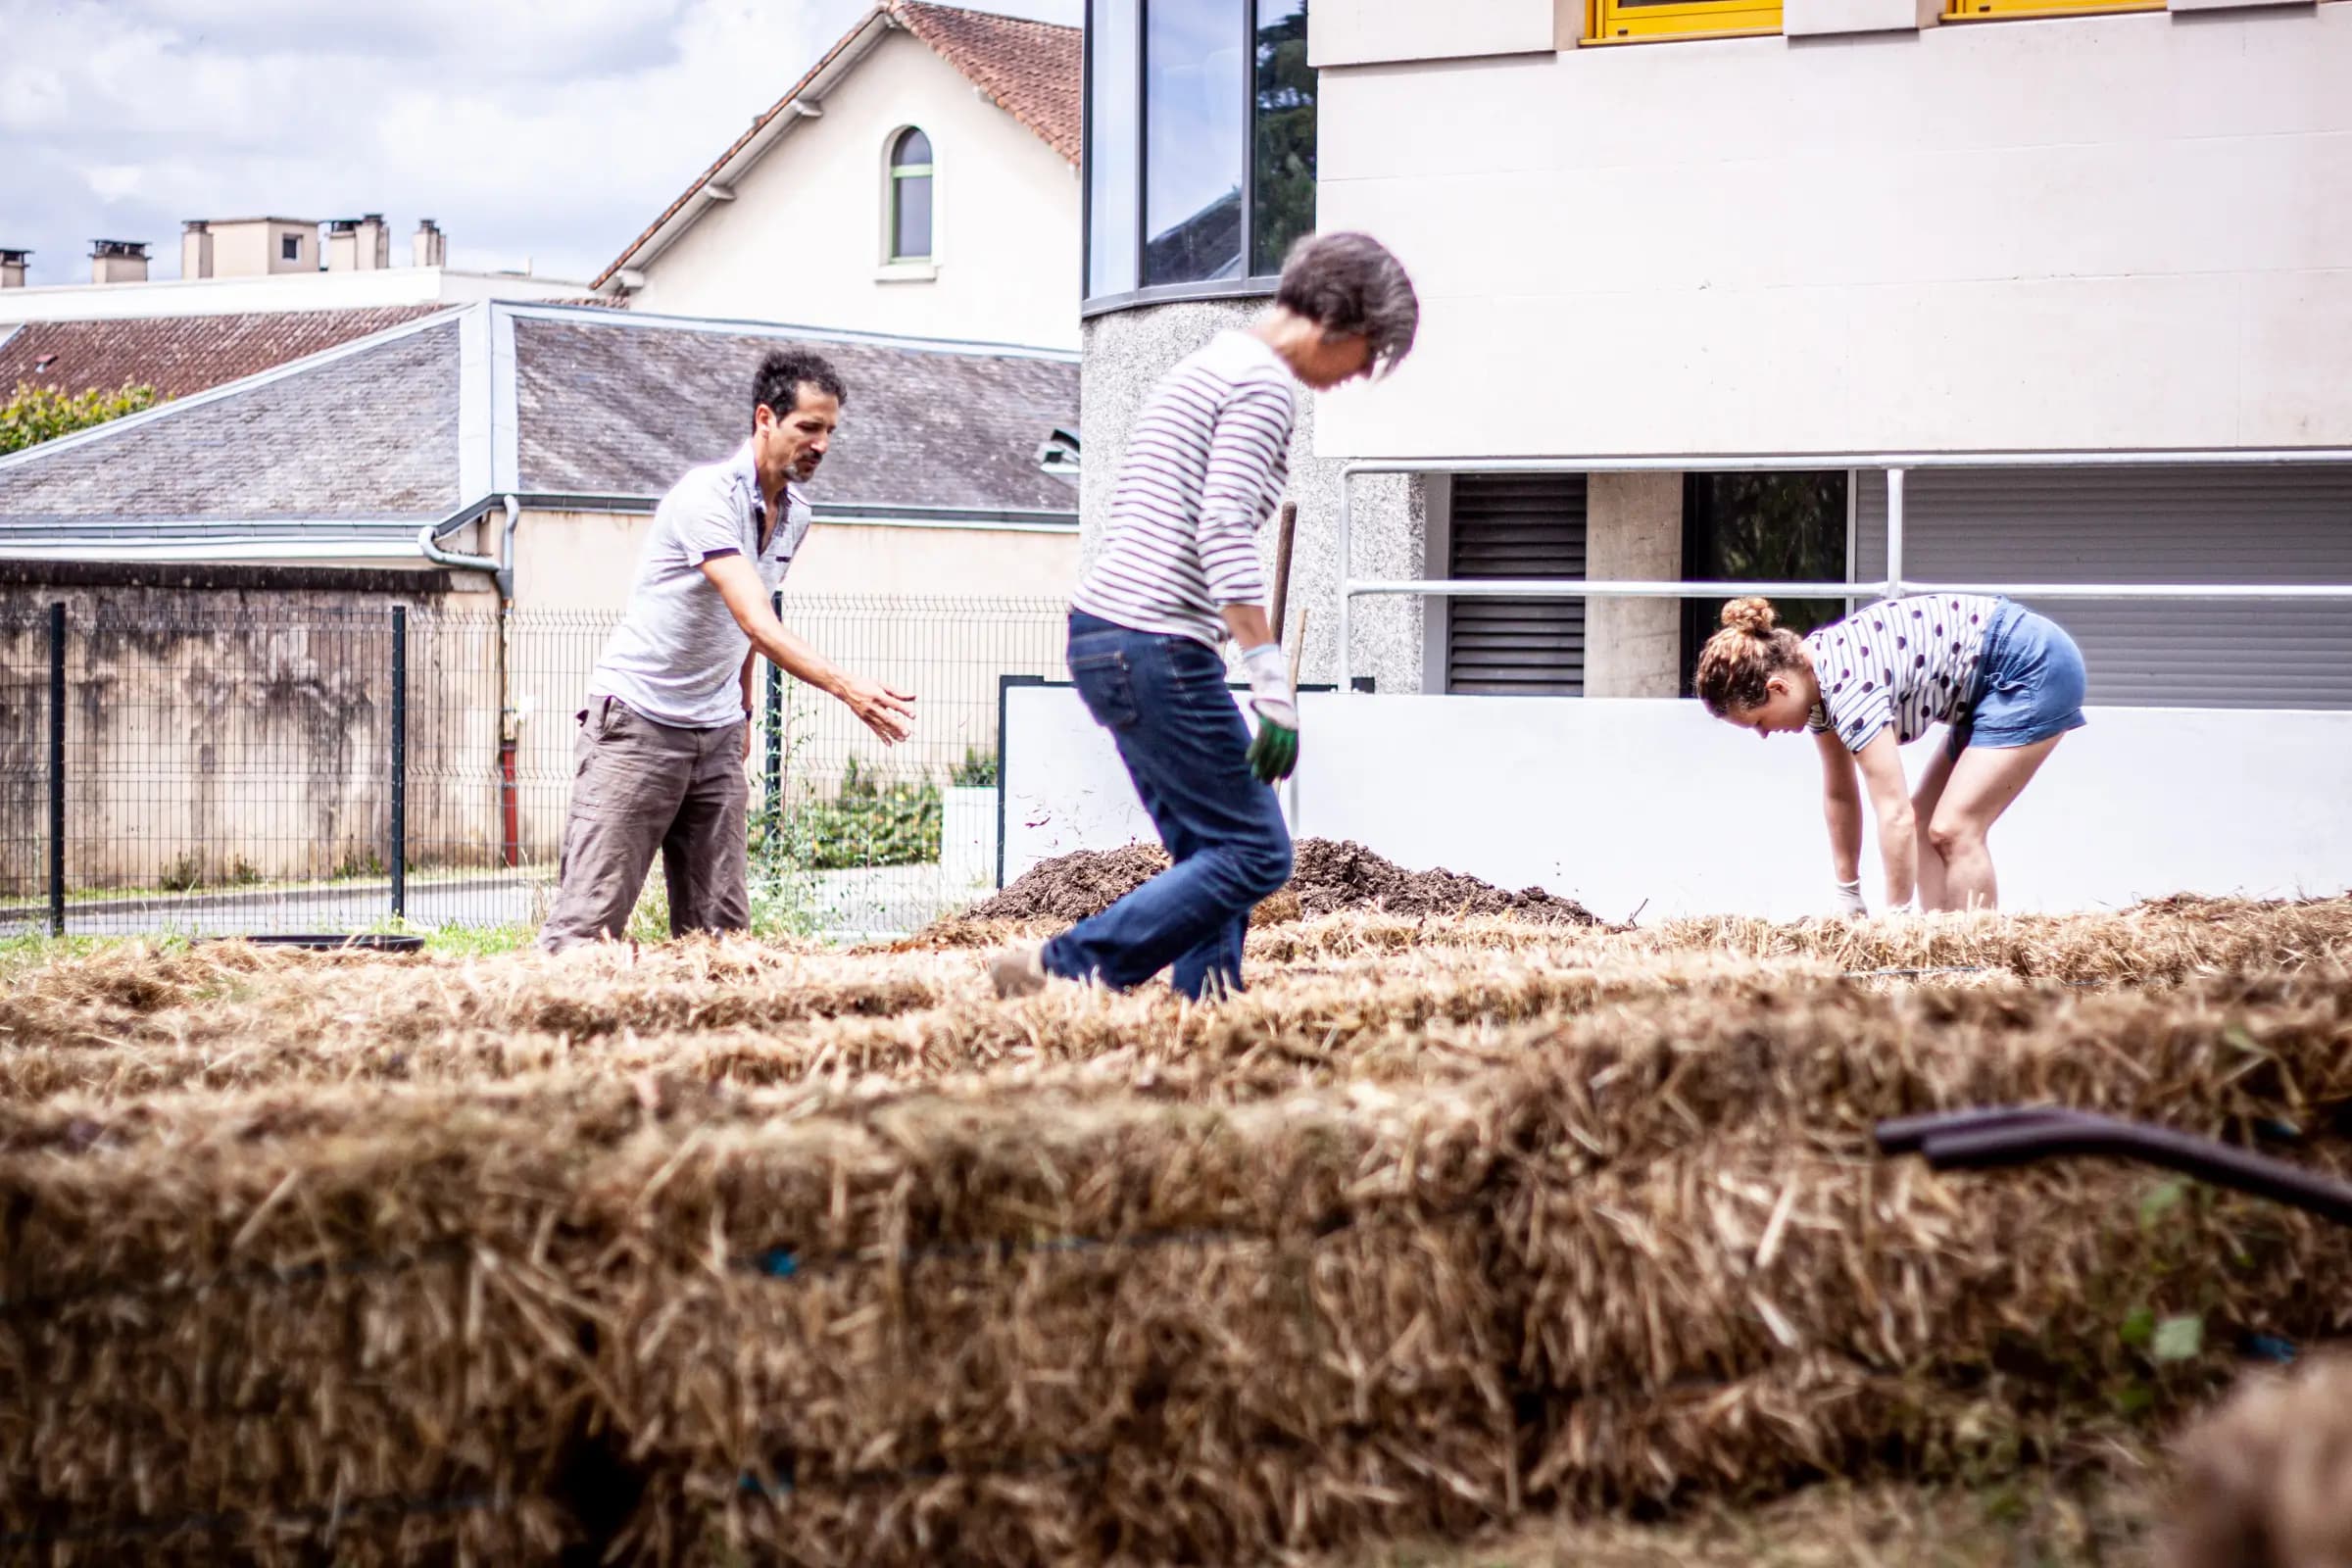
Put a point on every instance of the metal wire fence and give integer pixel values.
(224, 769)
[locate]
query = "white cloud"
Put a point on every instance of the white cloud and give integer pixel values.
(552, 130)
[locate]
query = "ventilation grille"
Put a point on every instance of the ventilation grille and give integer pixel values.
(1517, 525)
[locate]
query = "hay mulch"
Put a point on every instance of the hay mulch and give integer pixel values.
(835, 1258)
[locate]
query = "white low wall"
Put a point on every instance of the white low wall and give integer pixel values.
(1652, 806)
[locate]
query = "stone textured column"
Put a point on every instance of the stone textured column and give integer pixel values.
(1633, 529)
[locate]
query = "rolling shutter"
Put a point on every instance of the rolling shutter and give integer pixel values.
(1517, 525)
(2148, 525)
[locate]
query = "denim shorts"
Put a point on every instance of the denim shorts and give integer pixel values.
(2029, 684)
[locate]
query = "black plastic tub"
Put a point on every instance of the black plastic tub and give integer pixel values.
(334, 942)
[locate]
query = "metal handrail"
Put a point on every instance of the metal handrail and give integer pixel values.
(1894, 585)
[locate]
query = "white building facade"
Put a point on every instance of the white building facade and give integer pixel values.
(1696, 275)
(921, 180)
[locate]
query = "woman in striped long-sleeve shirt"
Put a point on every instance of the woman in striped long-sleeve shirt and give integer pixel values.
(1177, 575)
(2008, 682)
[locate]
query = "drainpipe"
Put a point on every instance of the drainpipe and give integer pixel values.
(502, 572)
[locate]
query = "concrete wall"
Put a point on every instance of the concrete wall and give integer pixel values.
(585, 561)
(1633, 529)
(216, 735)
(1654, 808)
(2130, 230)
(807, 239)
(1126, 353)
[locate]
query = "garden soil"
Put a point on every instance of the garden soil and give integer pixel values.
(1328, 876)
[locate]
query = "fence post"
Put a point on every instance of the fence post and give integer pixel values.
(400, 761)
(57, 769)
(773, 762)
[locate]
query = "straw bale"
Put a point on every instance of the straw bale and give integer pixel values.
(468, 1530)
(2208, 1056)
(222, 991)
(267, 1312)
(2140, 946)
(1300, 1024)
(1745, 1249)
(945, 1279)
(1797, 1421)
(1129, 1505)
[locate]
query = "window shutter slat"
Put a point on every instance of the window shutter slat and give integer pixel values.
(1516, 526)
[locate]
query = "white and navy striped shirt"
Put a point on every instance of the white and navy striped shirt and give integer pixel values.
(1205, 465)
(1910, 662)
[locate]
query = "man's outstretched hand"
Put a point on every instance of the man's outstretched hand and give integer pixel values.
(886, 710)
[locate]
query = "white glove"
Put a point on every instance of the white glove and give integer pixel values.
(1270, 684)
(1274, 749)
(1849, 899)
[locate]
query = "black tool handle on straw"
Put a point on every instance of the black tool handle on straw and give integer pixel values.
(1999, 1139)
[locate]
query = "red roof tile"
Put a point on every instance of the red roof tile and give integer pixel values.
(1031, 70)
(178, 355)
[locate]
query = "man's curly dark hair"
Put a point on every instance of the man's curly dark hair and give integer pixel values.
(782, 375)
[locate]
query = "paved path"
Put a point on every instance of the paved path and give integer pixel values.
(845, 906)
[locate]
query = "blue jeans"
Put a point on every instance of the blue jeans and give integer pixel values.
(1166, 702)
(2029, 684)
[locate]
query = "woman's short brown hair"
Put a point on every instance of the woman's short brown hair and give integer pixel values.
(1349, 283)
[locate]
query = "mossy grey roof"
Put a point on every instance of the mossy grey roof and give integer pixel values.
(377, 436)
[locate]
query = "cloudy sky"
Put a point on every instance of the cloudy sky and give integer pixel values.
(546, 131)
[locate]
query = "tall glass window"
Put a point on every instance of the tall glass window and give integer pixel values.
(1199, 143)
(1192, 126)
(910, 197)
(1282, 155)
(1113, 144)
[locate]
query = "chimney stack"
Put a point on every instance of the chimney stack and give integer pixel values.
(119, 260)
(359, 244)
(430, 247)
(11, 267)
(195, 249)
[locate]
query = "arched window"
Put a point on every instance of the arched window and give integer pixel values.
(910, 197)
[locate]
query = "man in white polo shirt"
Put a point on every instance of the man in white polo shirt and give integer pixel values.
(668, 727)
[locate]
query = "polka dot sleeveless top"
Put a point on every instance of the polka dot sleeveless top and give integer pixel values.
(1910, 662)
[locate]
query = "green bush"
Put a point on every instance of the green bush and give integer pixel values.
(870, 822)
(37, 414)
(977, 770)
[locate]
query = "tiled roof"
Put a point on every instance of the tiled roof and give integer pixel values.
(359, 440)
(609, 409)
(1029, 69)
(182, 354)
(367, 434)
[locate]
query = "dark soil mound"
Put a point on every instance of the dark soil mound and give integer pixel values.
(1330, 875)
(1334, 874)
(1071, 886)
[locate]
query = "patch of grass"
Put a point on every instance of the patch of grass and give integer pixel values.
(33, 950)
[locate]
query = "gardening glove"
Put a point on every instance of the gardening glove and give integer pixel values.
(1275, 750)
(1849, 900)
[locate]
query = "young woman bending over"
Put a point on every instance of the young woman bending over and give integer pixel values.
(2007, 681)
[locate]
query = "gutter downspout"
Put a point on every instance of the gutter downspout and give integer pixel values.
(502, 572)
